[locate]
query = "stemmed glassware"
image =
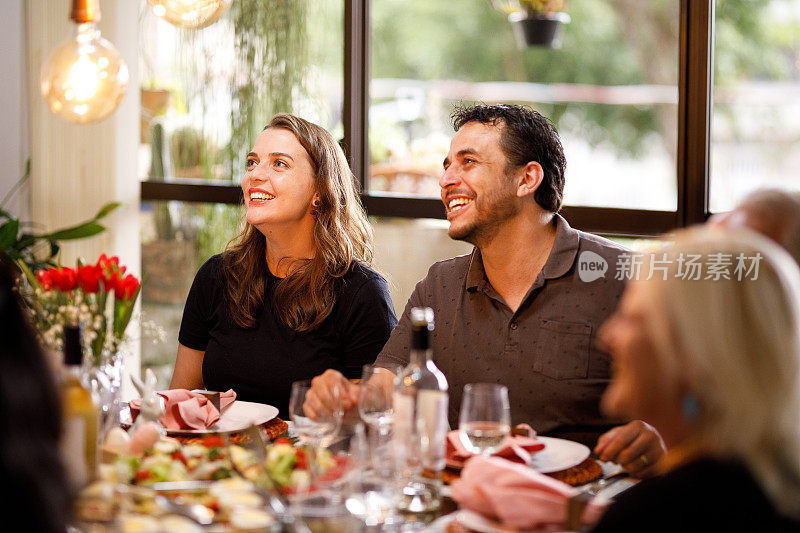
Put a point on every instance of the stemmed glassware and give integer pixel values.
(485, 417)
(319, 431)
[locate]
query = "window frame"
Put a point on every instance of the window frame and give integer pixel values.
(695, 104)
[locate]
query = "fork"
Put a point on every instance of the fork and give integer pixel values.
(196, 512)
(578, 502)
(595, 487)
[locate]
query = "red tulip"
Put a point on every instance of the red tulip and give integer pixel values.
(125, 289)
(110, 280)
(108, 263)
(45, 279)
(64, 278)
(110, 270)
(89, 277)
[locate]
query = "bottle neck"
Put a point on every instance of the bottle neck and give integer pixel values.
(71, 374)
(419, 357)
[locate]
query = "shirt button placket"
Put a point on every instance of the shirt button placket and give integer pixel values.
(512, 344)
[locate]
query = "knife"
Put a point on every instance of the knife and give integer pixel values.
(215, 398)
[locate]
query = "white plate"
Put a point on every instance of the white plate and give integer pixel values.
(558, 454)
(241, 415)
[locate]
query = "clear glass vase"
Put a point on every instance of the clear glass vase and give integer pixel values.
(105, 380)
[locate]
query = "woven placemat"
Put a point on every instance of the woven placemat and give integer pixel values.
(587, 471)
(270, 430)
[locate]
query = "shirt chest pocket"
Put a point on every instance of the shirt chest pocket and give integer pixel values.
(563, 349)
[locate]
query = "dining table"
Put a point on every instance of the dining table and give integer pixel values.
(449, 518)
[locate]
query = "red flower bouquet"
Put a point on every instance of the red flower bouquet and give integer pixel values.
(99, 297)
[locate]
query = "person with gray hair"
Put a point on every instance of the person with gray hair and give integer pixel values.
(713, 363)
(774, 213)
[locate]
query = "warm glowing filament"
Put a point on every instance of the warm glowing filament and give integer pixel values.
(84, 78)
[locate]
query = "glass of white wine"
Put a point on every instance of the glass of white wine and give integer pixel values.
(485, 418)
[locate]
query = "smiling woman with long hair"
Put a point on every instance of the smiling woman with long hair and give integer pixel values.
(293, 294)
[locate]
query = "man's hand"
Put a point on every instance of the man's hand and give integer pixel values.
(636, 446)
(328, 392)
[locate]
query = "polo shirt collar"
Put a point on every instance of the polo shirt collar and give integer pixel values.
(561, 258)
(565, 249)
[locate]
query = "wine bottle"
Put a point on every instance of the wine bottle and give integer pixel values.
(79, 438)
(420, 423)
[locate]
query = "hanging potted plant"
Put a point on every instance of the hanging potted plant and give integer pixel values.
(536, 22)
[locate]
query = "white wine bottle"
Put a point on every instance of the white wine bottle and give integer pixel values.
(79, 437)
(420, 423)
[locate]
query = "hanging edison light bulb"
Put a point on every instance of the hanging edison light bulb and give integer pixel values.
(85, 78)
(190, 13)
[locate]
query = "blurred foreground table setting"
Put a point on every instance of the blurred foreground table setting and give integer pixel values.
(184, 464)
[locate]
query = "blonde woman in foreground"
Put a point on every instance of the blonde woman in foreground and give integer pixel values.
(714, 365)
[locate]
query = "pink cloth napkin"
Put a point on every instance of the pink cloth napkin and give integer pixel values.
(516, 448)
(186, 409)
(517, 496)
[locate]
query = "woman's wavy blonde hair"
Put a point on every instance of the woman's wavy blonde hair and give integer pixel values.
(737, 343)
(342, 235)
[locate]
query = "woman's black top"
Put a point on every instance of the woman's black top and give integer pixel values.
(705, 495)
(261, 364)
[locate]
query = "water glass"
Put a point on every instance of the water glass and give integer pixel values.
(371, 491)
(375, 397)
(485, 418)
(323, 428)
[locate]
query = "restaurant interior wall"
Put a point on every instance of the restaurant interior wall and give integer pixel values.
(14, 150)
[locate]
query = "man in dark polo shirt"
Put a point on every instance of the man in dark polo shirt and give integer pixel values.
(524, 307)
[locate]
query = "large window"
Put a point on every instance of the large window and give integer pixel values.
(206, 94)
(611, 89)
(756, 121)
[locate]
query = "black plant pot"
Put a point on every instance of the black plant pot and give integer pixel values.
(541, 29)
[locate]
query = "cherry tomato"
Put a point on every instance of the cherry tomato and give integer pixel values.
(142, 475)
(179, 457)
(301, 463)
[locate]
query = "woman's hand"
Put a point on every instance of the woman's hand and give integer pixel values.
(188, 372)
(636, 446)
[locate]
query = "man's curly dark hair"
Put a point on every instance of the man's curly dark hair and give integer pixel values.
(525, 136)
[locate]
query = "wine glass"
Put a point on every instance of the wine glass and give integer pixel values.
(319, 431)
(485, 418)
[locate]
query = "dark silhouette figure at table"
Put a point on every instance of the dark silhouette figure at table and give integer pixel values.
(30, 424)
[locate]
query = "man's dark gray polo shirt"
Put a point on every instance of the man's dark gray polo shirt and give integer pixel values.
(545, 352)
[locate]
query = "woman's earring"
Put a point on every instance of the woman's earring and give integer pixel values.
(315, 207)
